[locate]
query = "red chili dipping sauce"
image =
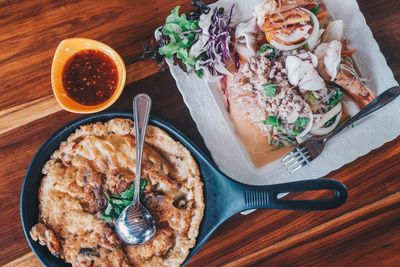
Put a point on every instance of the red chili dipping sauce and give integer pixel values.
(90, 77)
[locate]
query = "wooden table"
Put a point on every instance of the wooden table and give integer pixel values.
(365, 231)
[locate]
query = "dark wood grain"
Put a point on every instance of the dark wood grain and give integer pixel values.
(31, 30)
(364, 232)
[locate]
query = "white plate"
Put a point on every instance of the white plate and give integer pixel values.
(207, 109)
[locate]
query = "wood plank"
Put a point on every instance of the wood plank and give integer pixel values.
(31, 30)
(30, 111)
(390, 204)
(28, 260)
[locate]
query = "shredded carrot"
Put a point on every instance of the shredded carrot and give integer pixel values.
(348, 53)
(322, 15)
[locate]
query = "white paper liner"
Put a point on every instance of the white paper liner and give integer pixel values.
(207, 108)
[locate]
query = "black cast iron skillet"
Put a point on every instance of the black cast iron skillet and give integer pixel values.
(224, 197)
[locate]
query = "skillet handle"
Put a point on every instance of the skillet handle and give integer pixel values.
(258, 197)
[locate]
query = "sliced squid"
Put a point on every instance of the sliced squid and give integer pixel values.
(334, 31)
(246, 39)
(329, 58)
(302, 73)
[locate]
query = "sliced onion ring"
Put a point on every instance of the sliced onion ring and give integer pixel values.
(326, 130)
(313, 36)
(328, 116)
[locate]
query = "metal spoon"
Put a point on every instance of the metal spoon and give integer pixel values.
(135, 225)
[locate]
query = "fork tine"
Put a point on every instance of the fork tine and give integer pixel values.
(289, 155)
(297, 152)
(299, 164)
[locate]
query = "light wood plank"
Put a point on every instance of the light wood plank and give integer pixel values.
(28, 112)
(28, 260)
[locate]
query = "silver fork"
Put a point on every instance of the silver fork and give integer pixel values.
(307, 151)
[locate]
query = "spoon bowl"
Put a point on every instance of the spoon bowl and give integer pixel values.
(135, 225)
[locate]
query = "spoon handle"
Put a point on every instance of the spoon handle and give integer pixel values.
(141, 112)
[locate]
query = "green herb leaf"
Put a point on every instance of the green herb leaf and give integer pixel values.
(174, 17)
(169, 50)
(121, 202)
(107, 218)
(273, 121)
(336, 98)
(116, 204)
(182, 35)
(117, 210)
(295, 132)
(143, 184)
(301, 122)
(299, 126)
(330, 122)
(108, 209)
(172, 30)
(269, 89)
(184, 56)
(267, 48)
(128, 193)
(200, 73)
(315, 8)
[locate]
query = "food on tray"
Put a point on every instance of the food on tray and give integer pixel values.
(200, 41)
(286, 25)
(90, 77)
(89, 180)
(286, 73)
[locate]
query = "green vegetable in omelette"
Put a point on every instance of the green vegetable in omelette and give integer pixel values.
(116, 204)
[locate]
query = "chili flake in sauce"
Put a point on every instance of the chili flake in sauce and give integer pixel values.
(90, 77)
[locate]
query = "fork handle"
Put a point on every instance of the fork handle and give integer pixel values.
(258, 197)
(379, 102)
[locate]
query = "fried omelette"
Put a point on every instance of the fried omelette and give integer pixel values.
(99, 160)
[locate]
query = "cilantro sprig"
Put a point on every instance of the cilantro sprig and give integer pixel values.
(336, 98)
(269, 50)
(299, 125)
(315, 8)
(272, 121)
(116, 204)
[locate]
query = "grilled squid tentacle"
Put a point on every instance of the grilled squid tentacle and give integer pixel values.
(332, 67)
(353, 85)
